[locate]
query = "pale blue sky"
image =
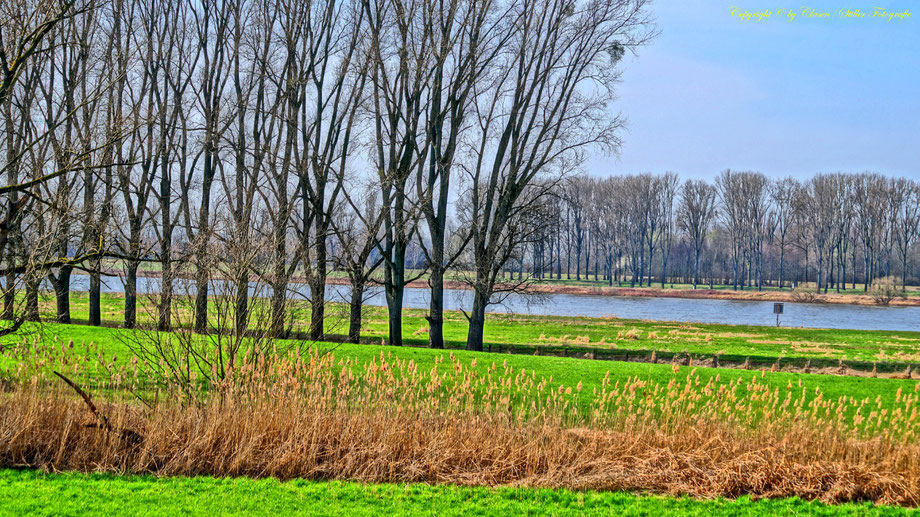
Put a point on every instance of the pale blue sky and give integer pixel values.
(784, 98)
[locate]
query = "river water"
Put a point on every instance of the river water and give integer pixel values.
(737, 312)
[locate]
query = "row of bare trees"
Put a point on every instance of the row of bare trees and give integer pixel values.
(256, 146)
(743, 229)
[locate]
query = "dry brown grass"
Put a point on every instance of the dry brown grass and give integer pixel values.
(632, 333)
(321, 418)
(746, 335)
(568, 340)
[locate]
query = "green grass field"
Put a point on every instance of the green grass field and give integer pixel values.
(35, 493)
(610, 337)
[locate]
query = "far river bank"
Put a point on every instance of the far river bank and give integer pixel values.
(849, 297)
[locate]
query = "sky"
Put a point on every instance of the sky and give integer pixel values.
(783, 97)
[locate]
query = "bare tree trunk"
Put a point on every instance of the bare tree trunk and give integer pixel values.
(696, 267)
(164, 308)
(61, 284)
(477, 317)
(32, 284)
(9, 296)
(394, 316)
(201, 297)
(131, 293)
(354, 318)
(395, 274)
(95, 298)
(318, 284)
(436, 307)
(279, 282)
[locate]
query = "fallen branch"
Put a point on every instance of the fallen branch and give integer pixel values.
(126, 434)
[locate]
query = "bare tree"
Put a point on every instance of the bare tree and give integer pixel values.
(357, 229)
(667, 190)
(757, 203)
(135, 182)
(285, 155)
(906, 202)
(743, 197)
(463, 44)
(783, 195)
(336, 86)
(869, 196)
(822, 195)
(68, 95)
(400, 74)
(174, 61)
(637, 190)
(245, 135)
(576, 194)
(545, 101)
(212, 26)
(843, 230)
(32, 37)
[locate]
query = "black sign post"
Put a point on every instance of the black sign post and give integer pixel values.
(777, 309)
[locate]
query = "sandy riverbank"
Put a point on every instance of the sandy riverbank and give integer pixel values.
(652, 292)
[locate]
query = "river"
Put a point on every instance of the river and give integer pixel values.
(735, 312)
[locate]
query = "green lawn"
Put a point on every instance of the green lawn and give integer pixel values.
(34, 493)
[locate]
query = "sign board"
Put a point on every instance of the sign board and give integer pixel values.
(777, 308)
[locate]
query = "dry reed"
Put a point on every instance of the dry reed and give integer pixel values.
(318, 417)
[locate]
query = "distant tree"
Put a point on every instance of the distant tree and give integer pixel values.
(869, 201)
(743, 197)
(577, 196)
(667, 191)
(822, 195)
(695, 212)
(782, 194)
(906, 203)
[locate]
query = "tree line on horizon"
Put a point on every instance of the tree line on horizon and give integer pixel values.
(743, 229)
